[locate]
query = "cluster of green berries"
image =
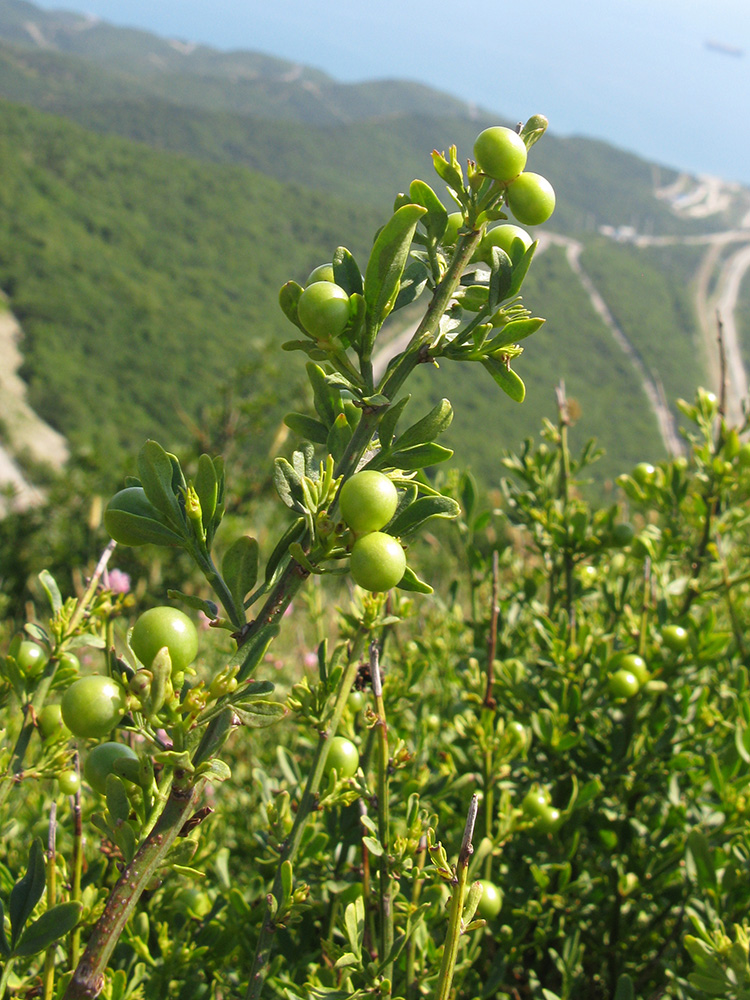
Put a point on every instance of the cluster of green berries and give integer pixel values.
(95, 704)
(368, 501)
(501, 153)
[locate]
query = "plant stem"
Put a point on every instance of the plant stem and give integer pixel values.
(411, 948)
(48, 975)
(386, 911)
(427, 329)
(302, 816)
(74, 945)
(489, 701)
(450, 952)
(88, 979)
(563, 418)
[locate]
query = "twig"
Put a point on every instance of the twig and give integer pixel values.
(386, 911)
(489, 701)
(455, 929)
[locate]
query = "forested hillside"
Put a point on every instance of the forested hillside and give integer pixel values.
(151, 214)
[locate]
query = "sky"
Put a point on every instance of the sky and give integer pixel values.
(637, 73)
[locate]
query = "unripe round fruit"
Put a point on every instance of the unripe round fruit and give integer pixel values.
(516, 731)
(68, 782)
(357, 700)
(623, 684)
(531, 199)
(675, 637)
(92, 706)
(548, 820)
(643, 473)
(323, 272)
(500, 153)
(100, 763)
(51, 725)
(743, 455)
(535, 801)
(168, 627)
(622, 534)
(368, 501)
(512, 239)
(343, 756)
(633, 663)
(323, 310)
(491, 900)
(30, 657)
(378, 561)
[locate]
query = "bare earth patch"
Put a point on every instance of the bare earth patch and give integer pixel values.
(21, 431)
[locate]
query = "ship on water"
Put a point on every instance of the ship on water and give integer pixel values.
(724, 48)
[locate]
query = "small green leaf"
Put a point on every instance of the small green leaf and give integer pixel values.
(4, 946)
(339, 436)
(448, 171)
(373, 846)
(326, 398)
(354, 923)
(251, 691)
(420, 457)
(385, 267)
(287, 883)
(428, 428)
(288, 299)
(124, 837)
(387, 425)
(346, 273)
(413, 283)
(49, 585)
(415, 515)
(437, 217)
(214, 737)
(259, 714)
(118, 804)
(239, 567)
(206, 485)
(532, 131)
(27, 892)
(511, 333)
(51, 926)
(156, 471)
(288, 484)
(215, 770)
(506, 378)
(501, 278)
(143, 529)
(625, 989)
(209, 609)
(411, 582)
(700, 863)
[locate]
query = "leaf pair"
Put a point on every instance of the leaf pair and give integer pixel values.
(30, 939)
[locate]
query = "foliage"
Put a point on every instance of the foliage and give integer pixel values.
(492, 746)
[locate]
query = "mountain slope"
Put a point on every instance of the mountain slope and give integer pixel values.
(144, 280)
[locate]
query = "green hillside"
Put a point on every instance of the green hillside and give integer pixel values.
(143, 280)
(151, 215)
(366, 159)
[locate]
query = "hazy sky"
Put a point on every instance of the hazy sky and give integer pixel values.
(635, 72)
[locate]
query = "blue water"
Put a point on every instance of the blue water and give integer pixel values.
(637, 73)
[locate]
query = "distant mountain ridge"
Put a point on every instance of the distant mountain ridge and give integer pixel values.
(242, 82)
